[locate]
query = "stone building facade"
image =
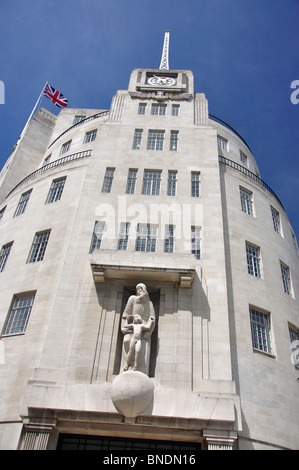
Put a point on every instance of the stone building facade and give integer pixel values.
(154, 191)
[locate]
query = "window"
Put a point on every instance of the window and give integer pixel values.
(65, 147)
(97, 235)
(78, 118)
(19, 313)
(141, 108)
(253, 260)
(146, 237)
(137, 139)
(155, 140)
(286, 280)
(276, 220)
(56, 190)
(2, 212)
(243, 158)
(22, 203)
(222, 143)
(151, 182)
(195, 241)
(90, 136)
(169, 239)
(174, 139)
(171, 183)
(131, 181)
(108, 178)
(39, 246)
(195, 183)
(158, 109)
(246, 201)
(5, 250)
(260, 330)
(123, 236)
(175, 109)
(47, 160)
(294, 338)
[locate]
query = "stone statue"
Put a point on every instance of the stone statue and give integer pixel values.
(138, 323)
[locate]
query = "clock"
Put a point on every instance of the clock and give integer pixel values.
(161, 81)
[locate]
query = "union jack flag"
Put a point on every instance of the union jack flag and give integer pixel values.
(55, 96)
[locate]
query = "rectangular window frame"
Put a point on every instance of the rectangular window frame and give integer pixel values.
(22, 204)
(4, 253)
(137, 139)
(174, 141)
(56, 190)
(90, 136)
(158, 109)
(169, 238)
(123, 236)
(131, 181)
(155, 140)
(108, 180)
(172, 183)
(19, 314)
(65, 147)
(246, 198)
(286, 278)
(195, 183)
(196, 241)
(151, 184)
(254, 262)
(261, 330)
(97, 235)
(39, 246)
(146, 237)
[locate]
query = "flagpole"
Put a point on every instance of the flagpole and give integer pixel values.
(32, 112)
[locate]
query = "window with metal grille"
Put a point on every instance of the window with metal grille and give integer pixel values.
(169, 239)
(260, 330)
(22, 203)
(195, 241)
(246, 201)
(19, 313)
(158, 109)
(123, 236)
(97, 236)
(146, 237)
(276, 220)
(39, 246)
(137, 139)
(171, 183)
(243, 158)
(5, 250)
(90, 136)
(253, 260)
(108, 179)
(286, 279)
(195, 183)
(174, 139)
(141, 108)
(155, 140)
(151, 182)
(78, 118)
(131, 181)
(175, 109)
(56, 190)
(65, 147)
(222, 142)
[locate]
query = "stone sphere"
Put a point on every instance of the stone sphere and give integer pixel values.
(131, 393)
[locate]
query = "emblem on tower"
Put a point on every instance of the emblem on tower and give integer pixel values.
(164, 59)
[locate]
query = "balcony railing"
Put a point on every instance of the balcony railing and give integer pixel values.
(90, 118)
(48, 166)
(249, 173)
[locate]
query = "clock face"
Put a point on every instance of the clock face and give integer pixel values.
(161, 81)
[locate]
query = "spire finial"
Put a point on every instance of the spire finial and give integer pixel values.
(164, 58)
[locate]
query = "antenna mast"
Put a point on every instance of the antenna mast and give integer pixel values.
(165, 53)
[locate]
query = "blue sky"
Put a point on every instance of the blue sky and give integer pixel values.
(244, 55)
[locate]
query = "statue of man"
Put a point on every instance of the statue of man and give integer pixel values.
(140, 305)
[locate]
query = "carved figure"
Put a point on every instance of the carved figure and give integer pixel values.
(138, 323)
